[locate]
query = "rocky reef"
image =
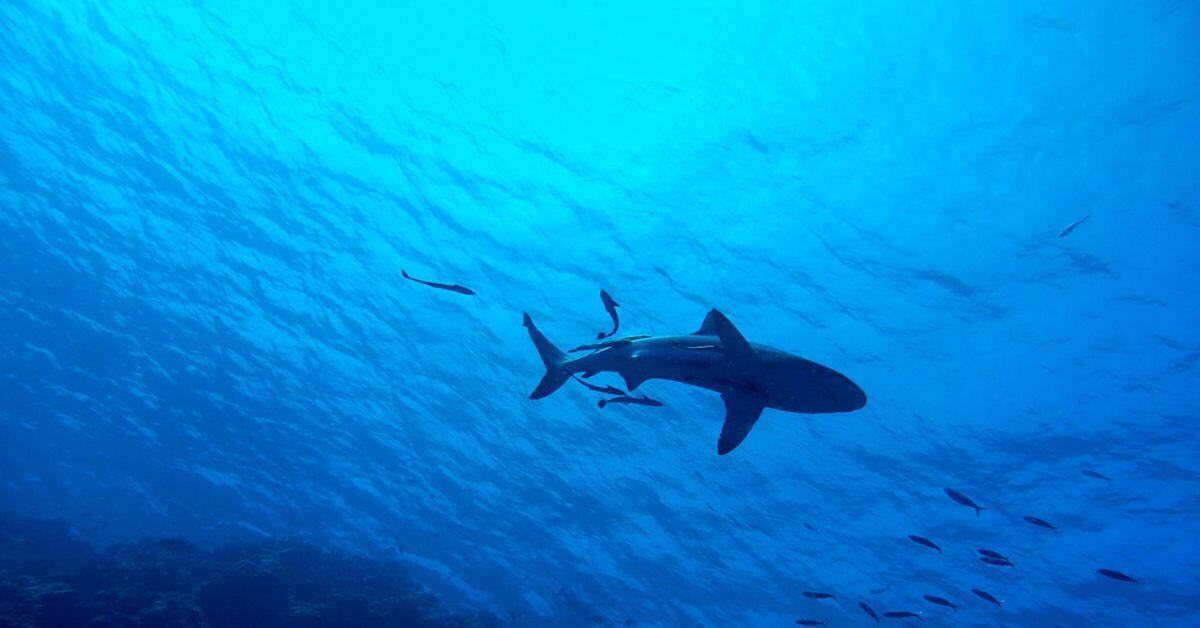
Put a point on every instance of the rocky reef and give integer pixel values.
(51, 577)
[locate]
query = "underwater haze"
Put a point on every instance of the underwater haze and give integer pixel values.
(205, 338)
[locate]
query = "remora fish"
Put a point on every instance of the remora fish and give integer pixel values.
(639, 401)
(610, 306)
(749, 377)
(606, 344)
(606, 389)
(452, 287)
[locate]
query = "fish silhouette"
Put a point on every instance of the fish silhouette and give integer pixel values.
(987, 596)
(452, 287)
(1040, 522)
(610, 306)
(606, 389)
(640, 401)
(1096, 474)
(920, 540)
(964, 500)
(1073, 226)
(990, 554)
(1115, 575)
(940, 601)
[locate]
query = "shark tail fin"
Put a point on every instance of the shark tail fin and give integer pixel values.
(555, 360)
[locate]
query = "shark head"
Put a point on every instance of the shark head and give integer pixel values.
(782, 380)
(799, 385)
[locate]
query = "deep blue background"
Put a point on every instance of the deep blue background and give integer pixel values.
(204, 209)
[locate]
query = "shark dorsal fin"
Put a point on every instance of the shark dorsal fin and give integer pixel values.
(741, 413)
(735, 345)
(708, 327)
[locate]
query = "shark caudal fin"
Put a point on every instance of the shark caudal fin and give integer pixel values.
(554, 359)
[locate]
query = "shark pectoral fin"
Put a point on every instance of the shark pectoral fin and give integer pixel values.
(741, 412)
(632, 380)
(736, 347)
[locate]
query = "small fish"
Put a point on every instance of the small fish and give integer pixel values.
(677, 345)
(600, 345)
(810, 622)
(902, 615)
(1073, 226)
(662, 272)
(610, 306)
(440, 286)
(964, 500)
(869, 611)
(1096, 474)
(1040, 522)
(920, 540)
(999, 562)
(1115, 575)
(990, 554)
(987, 596)
(879, 590)
(819, 595)
(640, 401)
(606, 389)
(940, 601)
(607, 344)
(810, 527)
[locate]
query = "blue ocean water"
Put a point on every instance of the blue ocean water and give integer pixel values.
(205, 206)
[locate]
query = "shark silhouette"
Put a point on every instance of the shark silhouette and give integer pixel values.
(749, 377)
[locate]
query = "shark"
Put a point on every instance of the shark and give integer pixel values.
(749, 377)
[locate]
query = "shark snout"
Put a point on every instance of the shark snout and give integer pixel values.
(830, 394)
(854, 396)
(843, 394)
